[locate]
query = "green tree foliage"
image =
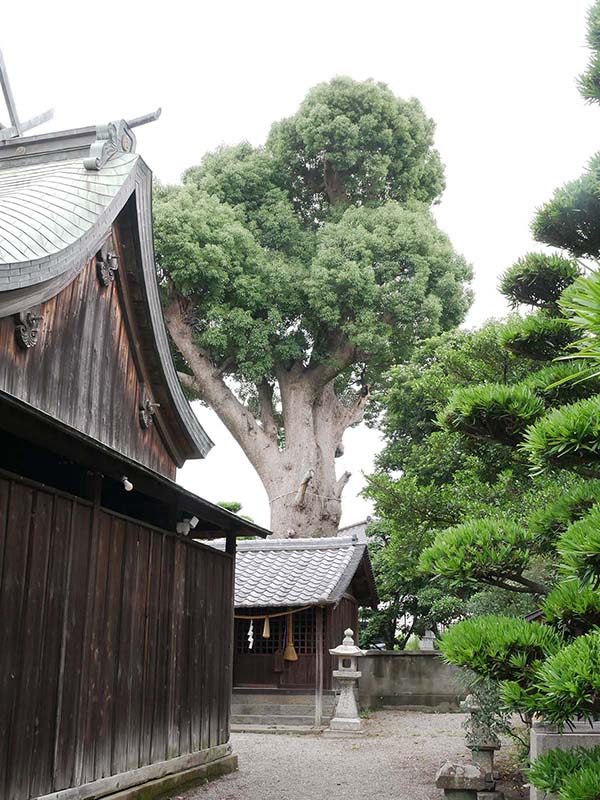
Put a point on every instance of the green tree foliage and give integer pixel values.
(553, 519)
(355, 143)
(567, 437)
(538, 279)
(565, 684)
(494, 550)
(571, 219)
(538, 336)
(296, 273)
(446, 479)
(579, 547)
(500, 648)
(492, 411)
(589, 82)
(572, 608)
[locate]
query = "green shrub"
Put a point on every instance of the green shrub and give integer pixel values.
(567, 437)
(571, 219)
(492, 411)
(499, 648)
(565, 382)
(538, 279)
(583, 784)
(493, 549)
(579, 548)
(548, 523)
(549, 772)
(568, 682)
(538, 336)
(572, 607)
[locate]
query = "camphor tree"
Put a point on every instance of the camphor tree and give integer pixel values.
(295, 273)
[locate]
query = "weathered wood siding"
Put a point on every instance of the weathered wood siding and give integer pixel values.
(344, 615)
(83, 370)
(115, 643)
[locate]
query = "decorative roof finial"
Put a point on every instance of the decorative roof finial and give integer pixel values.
(114, 138)
(16, 127)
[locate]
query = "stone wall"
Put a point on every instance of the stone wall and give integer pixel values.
(409, 680)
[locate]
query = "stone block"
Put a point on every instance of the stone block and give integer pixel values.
(460, 794)
(462, 776)
(485, 759)
(490, 795)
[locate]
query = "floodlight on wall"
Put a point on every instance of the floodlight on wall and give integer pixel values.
(127, 484)
(186, 525)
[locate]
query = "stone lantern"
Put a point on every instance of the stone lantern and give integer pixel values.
(346, 717)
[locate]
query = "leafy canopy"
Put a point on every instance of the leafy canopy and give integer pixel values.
(318, 248)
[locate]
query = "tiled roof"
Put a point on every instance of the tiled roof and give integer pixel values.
(298, 572)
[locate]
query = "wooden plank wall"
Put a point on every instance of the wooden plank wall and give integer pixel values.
(337, 619)
(82, 370)
(115, 643)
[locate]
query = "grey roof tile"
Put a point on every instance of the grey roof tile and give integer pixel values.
(295, 572)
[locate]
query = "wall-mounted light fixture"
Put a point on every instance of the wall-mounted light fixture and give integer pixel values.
(186, 525)
(127, 484)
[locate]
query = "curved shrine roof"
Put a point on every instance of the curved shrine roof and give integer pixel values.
(60, 194)
(47, 208)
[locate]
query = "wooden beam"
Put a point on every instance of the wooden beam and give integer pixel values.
(319, 648)
(230, 544)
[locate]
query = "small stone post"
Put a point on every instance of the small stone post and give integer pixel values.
(427, 641)
(346, 719)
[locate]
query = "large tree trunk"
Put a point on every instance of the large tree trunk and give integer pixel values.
(297, 472)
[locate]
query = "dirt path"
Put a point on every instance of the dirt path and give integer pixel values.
(396, 760)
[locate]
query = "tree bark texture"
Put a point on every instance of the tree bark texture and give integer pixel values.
(295, 457)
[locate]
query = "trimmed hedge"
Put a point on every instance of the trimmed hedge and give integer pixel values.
(538, 336)
(564, 382)
(579, 548)
(499, 648)
(566, 437)
(548, 523)
(568, 682)
(492, 411)
(571, 219)
(478, 550)
(538, 279)
(572, 607)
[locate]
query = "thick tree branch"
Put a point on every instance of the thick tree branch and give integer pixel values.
(210, 386)
(341, 483)
(354, 413)
(267, 410)
(299, 500)
(526, 586)
(342, 353)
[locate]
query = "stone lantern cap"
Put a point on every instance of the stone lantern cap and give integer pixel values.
(347, 649)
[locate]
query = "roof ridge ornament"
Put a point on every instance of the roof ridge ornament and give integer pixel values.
(115, 138)
(16, 127)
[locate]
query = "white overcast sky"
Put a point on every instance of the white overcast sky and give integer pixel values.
(498, 78)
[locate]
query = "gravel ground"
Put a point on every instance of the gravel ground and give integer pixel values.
(396, 760)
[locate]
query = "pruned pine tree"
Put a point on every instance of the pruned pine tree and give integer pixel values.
(297, 272)
(561, 684)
